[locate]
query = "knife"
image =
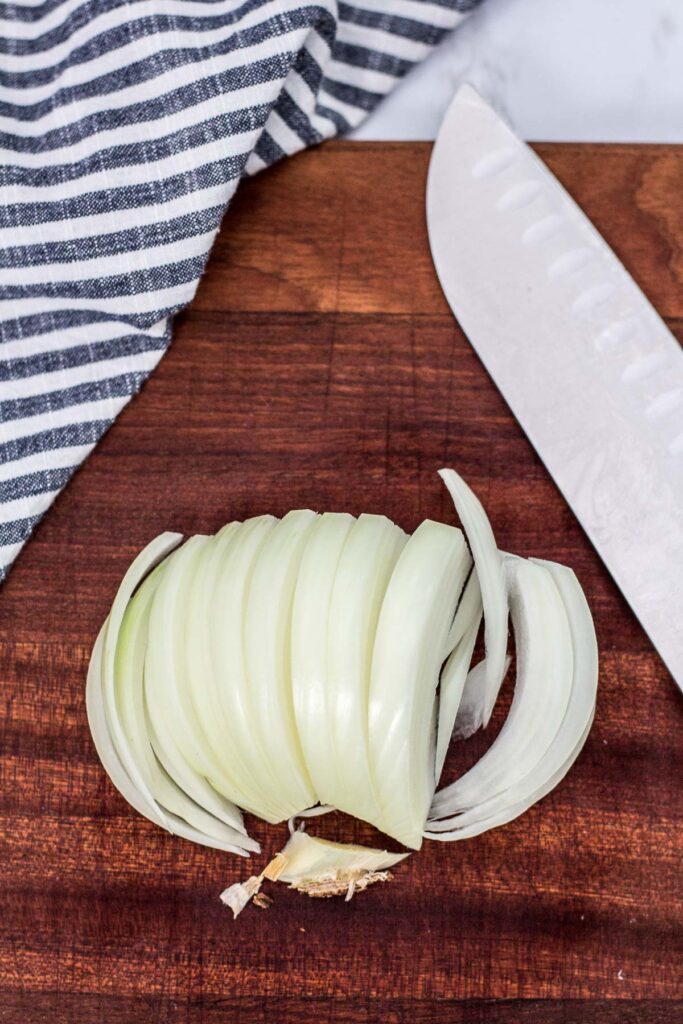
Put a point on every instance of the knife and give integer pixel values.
(588, 368)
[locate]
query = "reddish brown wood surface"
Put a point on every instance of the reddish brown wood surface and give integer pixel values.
(319, 366)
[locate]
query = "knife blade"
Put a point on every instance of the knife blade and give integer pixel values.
(588, 368)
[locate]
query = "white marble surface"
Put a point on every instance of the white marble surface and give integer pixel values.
(565, 70)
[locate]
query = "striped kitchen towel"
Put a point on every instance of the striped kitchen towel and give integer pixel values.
(125, 128)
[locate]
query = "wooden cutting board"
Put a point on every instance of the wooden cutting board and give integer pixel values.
(320, 366)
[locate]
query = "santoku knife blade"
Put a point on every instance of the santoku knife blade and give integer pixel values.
(587, 366)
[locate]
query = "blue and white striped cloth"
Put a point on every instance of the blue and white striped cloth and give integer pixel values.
(125, 128)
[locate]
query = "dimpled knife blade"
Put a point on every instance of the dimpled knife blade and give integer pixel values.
(588, 368)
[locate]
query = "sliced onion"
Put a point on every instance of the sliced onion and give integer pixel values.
(206, 682)
(409, 643)
(451, 687)
(365, 566)
(290, 667)
(571, 736)
(196, 683)
(230, 676)
(310, 626)
(129, 666)
(477, 708)
(175, 732)
(267, 644)
(113, 765)
(144, 563)
(469, 610)
(545, 667)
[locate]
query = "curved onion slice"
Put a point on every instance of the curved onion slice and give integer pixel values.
(363, 572)
(207, 681)
(467, 721)
(310, 625)
(154, 553)
(95, 705)
(267, 625)
(230, 669)
(174, 730)
(409, 643)
(469, 610)
(476, 707)
(109, 756)
(545, 667)
(451, 687)
(129, 667)
(571, 736)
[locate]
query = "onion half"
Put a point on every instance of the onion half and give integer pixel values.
(290, 667)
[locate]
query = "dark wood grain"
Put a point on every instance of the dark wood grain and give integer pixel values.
(67, 1009)
(319, 366)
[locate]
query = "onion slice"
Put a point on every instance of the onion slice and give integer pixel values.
(365, 567)
(151, 555)
(267, 628)
(175, 732)
(414, 622)
(451, 687)
(206, 681)
(573, 731)
(310, 627)
(469, 610)
(477, 705)
(130, 659)
(229, 669)
(545, 671)
(113, 765)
